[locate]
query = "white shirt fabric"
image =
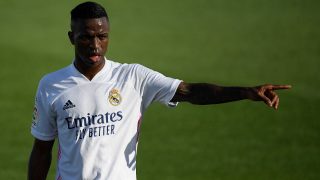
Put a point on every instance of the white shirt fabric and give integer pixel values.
(97, 122)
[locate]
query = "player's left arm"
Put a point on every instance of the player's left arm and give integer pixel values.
(204, 93)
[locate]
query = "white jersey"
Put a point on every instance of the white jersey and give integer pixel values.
(97, 122)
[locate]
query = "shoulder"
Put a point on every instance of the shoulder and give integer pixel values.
(123, 66)
(126, 69)
(53, 84)
(57, 76)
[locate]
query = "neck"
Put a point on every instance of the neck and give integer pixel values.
(89, 71)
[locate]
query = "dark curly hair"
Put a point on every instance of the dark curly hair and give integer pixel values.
(88, 10)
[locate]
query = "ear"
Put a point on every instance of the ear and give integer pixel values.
(71, 38)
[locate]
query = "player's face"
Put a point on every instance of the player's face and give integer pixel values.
(90, 38)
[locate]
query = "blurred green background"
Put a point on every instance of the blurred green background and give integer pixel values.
(227, 42)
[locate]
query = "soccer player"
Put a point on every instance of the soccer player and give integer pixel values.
(94, 106)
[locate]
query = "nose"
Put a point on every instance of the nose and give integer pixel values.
(94, 44)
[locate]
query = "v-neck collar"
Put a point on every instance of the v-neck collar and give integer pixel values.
(104, 71)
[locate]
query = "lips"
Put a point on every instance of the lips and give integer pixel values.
(95, 57)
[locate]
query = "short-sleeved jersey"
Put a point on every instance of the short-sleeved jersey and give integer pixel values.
(97, 122)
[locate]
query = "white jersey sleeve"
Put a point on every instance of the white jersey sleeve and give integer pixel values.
(43, 120)
(154, 86)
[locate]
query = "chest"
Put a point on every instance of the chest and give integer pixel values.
(96, 105)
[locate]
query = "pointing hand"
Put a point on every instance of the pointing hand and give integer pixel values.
(266, 94)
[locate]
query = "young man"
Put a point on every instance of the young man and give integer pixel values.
(94, 106)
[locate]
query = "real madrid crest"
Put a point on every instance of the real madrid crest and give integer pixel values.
(114, 97)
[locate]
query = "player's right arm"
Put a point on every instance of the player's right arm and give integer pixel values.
(40, 159)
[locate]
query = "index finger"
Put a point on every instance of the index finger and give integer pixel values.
(276, 87)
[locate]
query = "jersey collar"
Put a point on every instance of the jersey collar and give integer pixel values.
(100, 76)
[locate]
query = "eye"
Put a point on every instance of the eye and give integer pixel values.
(84, 37)
(103, 36)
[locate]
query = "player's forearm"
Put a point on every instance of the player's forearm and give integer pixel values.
(39, 165)
(204, 93)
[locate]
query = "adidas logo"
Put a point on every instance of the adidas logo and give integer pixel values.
(68, 105)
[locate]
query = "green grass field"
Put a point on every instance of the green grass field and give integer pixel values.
(233, 42)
